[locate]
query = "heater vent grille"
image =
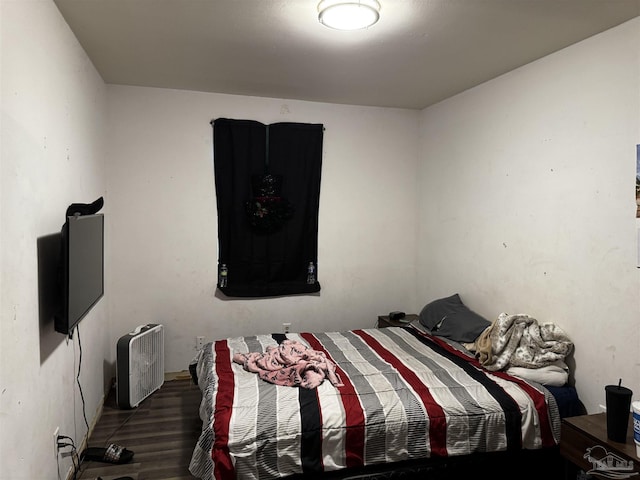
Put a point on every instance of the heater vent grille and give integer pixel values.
(140, 364)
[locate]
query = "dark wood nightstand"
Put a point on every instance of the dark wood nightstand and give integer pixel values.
(584, 444)
(385, 321)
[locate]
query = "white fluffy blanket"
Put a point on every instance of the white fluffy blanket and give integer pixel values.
(519, 341)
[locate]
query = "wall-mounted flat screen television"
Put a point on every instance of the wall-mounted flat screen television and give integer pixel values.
(81, 269)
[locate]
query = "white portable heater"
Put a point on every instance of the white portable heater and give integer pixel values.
(139, 364)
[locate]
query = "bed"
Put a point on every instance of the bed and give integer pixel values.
(406, 403)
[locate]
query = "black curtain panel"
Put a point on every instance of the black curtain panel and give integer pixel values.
(267, 180)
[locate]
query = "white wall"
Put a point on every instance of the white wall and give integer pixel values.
(163, 223)
(53, 115)
(528, 206)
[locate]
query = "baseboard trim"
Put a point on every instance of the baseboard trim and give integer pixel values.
(182, 375)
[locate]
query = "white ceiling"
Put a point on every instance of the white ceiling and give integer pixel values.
(420, 52)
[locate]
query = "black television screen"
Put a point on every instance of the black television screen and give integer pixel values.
(82, 269)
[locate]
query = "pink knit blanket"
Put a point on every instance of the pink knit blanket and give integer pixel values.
(290, 364)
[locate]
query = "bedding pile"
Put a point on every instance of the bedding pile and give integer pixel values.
(404, 394)
(519, 344)
(516, 344)
(519, 341)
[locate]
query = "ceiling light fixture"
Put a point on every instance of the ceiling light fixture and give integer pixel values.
(348, 15)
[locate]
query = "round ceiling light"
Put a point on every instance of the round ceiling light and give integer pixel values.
(348, 15)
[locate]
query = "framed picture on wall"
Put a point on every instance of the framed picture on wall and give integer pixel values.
(637, 181)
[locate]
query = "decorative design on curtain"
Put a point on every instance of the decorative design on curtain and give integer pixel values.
(267, 180)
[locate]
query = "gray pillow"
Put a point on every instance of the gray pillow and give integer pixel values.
(449, 317)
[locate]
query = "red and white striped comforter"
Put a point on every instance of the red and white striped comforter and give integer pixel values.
(406, 395)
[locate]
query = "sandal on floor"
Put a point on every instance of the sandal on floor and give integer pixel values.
(112, 454)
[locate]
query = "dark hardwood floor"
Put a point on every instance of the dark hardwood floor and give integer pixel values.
(161, 431)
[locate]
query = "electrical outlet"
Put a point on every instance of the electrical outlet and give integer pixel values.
(55, 441)
(286, 326)
(199, 343)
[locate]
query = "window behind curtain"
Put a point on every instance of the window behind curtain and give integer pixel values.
(267, 180)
